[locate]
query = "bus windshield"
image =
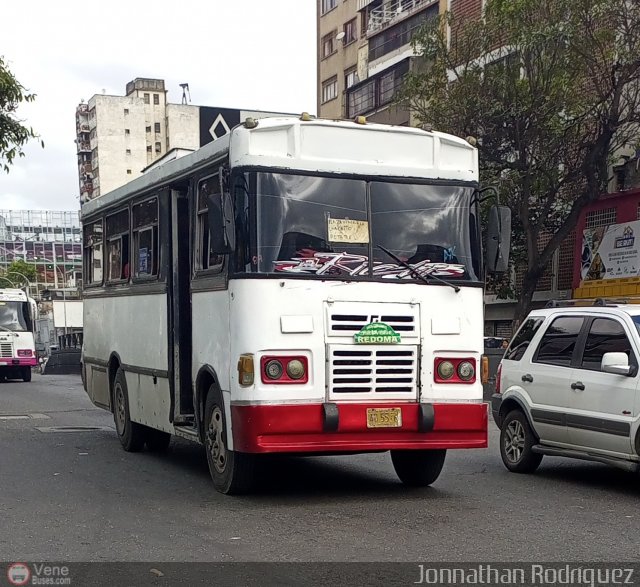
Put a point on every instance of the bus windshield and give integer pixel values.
(14, 316)
(333, 227)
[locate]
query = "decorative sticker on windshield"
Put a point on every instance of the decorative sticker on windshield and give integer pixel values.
(355, 265)
(342, 230)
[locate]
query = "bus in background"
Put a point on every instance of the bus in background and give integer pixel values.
(17, 344)
(298, 286)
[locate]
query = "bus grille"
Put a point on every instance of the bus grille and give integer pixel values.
(6, 350)
(346, 324)
(373, 372)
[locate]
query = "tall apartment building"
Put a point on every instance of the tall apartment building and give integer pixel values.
(118, 137)
(364, 51)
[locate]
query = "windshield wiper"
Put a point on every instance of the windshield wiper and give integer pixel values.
(7, 330)
(416, 274)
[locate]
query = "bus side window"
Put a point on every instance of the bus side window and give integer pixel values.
(93, 253)
(205, 258)
(118, 246)
(145, 239)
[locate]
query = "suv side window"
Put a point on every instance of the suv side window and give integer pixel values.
(559, 341)
(605, 336)
(522, 339)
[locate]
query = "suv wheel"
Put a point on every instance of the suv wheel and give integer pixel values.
(516, 440)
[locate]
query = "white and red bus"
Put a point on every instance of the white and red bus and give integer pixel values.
(298, 286)
(17, 344)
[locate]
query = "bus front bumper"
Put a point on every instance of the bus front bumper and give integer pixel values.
(338, 428)
(21, 362)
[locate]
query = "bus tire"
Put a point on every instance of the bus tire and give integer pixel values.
(131, 435)
(418, 468)
(157, 440)
(232, 472)
(26, 374)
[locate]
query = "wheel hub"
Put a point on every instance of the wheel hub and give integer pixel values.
(120, 413)
(514, 441)
(215, 440)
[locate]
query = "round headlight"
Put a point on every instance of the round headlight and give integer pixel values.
(273, 369)
(295, 369)
(466, 370)
(446, 370)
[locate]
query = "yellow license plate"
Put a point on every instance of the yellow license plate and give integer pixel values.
(384, 418)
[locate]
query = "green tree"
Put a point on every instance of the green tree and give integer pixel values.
(19, 268)
(13, 133)
(551, 91)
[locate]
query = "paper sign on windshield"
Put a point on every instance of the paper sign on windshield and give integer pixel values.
(348, 231)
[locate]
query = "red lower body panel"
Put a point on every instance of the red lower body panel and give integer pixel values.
(300, 428)
(22, 362)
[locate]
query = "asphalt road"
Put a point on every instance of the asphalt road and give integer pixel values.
(77, 496)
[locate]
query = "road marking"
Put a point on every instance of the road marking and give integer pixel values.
(72, 428)
(25, 417)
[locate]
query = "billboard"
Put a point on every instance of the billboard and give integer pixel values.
(611, 252)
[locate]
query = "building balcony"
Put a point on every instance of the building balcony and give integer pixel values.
(376, 92)
(82, 128)
(84, 147)
(392, 12)
(362, 4)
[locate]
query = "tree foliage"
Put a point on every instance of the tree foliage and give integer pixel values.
(18, 270)
(551, 91)
(13, 133)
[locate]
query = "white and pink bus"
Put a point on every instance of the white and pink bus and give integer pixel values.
(17, 344)
(298, 286)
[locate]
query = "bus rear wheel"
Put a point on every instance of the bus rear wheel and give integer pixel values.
(26, 374)
(132, 435)
(232, 472)
(418, 468)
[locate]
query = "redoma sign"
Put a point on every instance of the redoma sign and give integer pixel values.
(377, 333)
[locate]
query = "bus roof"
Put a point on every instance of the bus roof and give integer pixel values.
(12, 295)
(318, 146)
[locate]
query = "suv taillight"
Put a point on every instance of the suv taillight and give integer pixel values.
(24, 352)
(498, 377)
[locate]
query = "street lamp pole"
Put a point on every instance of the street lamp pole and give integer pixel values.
(64, 300)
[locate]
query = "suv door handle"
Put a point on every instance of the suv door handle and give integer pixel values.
(527, 378)
(577, 385)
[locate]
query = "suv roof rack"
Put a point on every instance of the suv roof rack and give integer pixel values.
(608, 302)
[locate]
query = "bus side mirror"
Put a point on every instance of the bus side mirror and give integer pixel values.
(498, 239)
(220, 224)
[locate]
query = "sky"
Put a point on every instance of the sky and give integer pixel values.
(249, 54)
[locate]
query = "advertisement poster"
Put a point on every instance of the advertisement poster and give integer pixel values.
(611, 252)
(143, 261)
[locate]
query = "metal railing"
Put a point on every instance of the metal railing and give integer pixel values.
(391, 11)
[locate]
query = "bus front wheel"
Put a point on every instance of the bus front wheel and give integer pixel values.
(132, 435)
(232, 472)
(418, 468)
(26, 374)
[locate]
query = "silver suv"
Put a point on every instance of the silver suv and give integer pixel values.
(568, 386)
